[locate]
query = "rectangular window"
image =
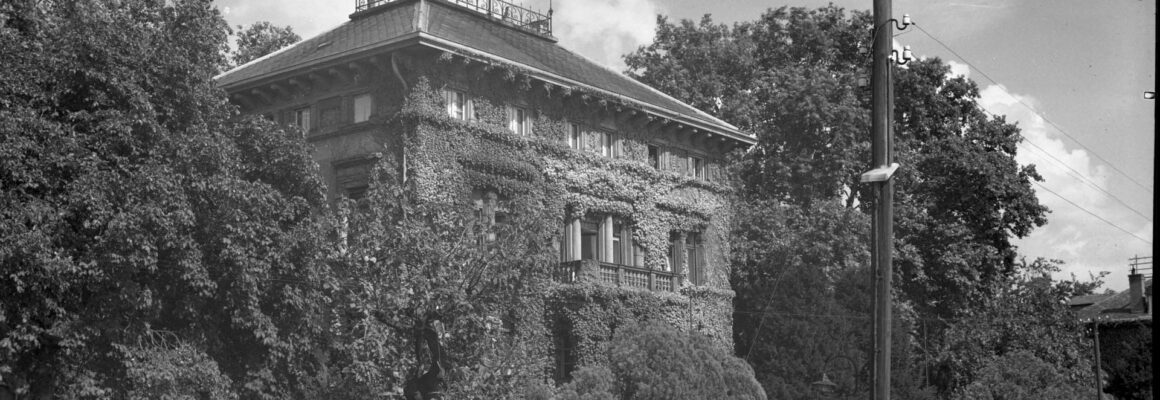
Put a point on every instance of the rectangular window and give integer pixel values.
(589, 239)
(575, 137)
(654, 156)
(489, 211)
(695, 258)
(605, 144)
(362, 108)
(697, 168)
(618, 241)
(457, 104)
(352, 179)
(518, 121)
(676, 251)
(302, 119)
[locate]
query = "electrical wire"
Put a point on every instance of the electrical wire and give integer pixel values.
(1149, 242)
(1033, 110)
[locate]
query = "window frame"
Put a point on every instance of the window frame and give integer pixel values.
(370, 107)
(302, 119)
(458, 102)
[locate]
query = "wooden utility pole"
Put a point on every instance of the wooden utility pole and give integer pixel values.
(881, 148)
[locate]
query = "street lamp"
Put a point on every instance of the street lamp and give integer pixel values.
(825, 387)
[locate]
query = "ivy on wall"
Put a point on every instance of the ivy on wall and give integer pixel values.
(448, 159)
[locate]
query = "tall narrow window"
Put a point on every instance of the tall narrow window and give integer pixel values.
(618, 241)
(697, 168)
(589, 239)
(676, 251)
(302, 119)
(695, 258)
(362, 108)
(518, 121)
(605, 144)
(457, 104)
(575, 137)
(654, 156)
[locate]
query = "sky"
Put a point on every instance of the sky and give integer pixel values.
(1070, 73)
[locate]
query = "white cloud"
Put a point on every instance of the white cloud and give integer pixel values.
(1085, 243)
(958, 69)
(605, 29)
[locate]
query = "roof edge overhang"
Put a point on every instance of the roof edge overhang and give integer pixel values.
(420, 38)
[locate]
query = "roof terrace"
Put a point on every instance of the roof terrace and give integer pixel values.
(500, 10)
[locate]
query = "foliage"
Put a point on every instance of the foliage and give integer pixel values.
(792, 78)
(1126, 358)
(802, 307)
(260, 39)
(655, 361)
(1022, 375)
(1029, 315)
(137, 207)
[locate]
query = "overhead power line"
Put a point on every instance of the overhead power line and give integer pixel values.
(1089, 182)
(1033, 110)
(1092, 213)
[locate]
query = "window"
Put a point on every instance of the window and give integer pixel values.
(696, 168)
(362, 108)
(352, 179)
(518, 121)
(488, 212)
(695, 258)
(618, 236)
(302, 119)
(589, 239)
(605, 143)
(575, 137)
(654, 156)
(687, 253)
(458, 106)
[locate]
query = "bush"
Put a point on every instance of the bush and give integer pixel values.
(1021, 375)
(655, 361)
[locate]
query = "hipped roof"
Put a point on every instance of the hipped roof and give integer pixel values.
(445, 26)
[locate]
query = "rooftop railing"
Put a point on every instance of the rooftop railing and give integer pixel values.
(505, 11)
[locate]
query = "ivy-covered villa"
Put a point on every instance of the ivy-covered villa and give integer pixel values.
(640, 175)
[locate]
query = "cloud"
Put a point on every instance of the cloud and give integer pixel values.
(958, 69)
(605, 29)
(1085, 243)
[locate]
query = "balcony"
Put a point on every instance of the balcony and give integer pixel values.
(616, 275)
(510, 13)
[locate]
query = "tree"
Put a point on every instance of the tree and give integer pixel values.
(802, 308)
(151, 244)
(655, 361)
(1029, 315)
(260, 39)
(1021, 375)
(792, 78)
(439, 296)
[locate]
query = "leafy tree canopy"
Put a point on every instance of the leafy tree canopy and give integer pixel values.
(151, 243)
(260, 39)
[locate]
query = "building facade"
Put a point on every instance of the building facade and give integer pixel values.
(475, 99)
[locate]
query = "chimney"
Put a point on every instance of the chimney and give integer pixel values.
(1136, 292)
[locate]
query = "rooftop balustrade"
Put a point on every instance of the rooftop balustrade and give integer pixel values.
(511, 13)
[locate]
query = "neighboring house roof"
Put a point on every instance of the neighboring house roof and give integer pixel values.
(448, 27)
(1113, 307)
(1084, 301)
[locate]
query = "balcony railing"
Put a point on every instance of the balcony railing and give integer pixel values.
(615, 275)
(511, 13)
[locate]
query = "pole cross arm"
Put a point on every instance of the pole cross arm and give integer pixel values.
(881, 174)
